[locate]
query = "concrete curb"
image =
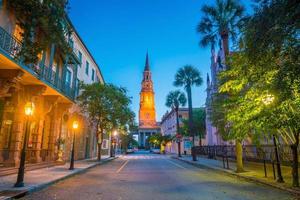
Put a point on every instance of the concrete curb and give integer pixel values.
(228, 172)
(35, 188)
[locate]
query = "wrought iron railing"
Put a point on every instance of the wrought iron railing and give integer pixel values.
(11, 46)
(250, 152)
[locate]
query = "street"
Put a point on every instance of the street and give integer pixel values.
(150, 176)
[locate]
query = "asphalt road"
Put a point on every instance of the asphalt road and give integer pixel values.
(157, 177)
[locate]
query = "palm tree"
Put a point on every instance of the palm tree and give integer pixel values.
(187, 77)
(174, 100)
(220, 21)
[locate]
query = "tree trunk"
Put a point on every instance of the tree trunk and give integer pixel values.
(177, 124)
(191, 130)
(295, 174)
(99, 151)
(224, 36)
(239, 156)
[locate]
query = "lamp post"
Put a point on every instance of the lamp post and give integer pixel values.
(75, 127)
(267, 101)
(115, 141)
(29, 110)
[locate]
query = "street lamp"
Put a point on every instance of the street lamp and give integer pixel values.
(75, 126)
(115, 133)
(267, 100)
(29, 110)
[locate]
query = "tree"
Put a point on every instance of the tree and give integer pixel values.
(42, 23)
(159, 139)
(107, 106)
(199, 117)
(187, 77)
(259, 92)
(174, 100)
(127, 141)
(275, 29)
(220, 21)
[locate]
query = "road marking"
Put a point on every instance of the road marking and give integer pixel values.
(118, 171)
(177, 165)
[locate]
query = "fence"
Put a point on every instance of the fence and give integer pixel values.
(263, 153)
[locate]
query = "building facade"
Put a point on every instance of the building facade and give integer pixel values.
(147, 114)
(169, 127)
(217, 65)
(51, 85)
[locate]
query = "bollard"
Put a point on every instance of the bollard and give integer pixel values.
(227, 161)
(223, 162)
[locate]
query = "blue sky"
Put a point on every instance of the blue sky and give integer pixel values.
(119, 32)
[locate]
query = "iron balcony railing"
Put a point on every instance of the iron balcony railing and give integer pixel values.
(12, 46)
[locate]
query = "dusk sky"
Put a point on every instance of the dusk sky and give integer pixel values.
(119, 33)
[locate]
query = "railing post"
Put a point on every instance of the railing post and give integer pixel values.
(52, 52)
(42, 64)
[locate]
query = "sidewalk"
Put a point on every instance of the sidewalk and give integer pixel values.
(40, 178)
(253, 172)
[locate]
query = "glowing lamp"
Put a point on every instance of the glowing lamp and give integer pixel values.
(75, 125)
(115, 133)
(29, 108)
(268, 99)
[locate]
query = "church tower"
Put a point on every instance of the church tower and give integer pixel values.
(147, 114)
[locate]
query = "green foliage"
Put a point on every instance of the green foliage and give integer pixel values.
(43, 23)
(225, 17)
(159, 139)
(127, 141)
(188, 76)
(175, 99)
(267, 64)
(199, 116)
(107, 106)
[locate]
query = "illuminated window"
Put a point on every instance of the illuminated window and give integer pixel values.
(18, 33)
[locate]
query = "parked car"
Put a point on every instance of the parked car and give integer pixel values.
(130, 150)
(154, 150)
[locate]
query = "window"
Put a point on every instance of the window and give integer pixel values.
(87, 68)
(93, 74)
(80, 57)
(68, 78)
(77, 87)
(71, 42)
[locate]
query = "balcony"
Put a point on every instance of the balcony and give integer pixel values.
(10, 47)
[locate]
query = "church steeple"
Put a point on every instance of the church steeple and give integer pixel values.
(147, 66)
(147, 113)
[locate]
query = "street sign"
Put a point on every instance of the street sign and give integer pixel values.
(187, 145)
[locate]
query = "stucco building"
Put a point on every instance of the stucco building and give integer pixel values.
(51, 85)
(169, 127)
